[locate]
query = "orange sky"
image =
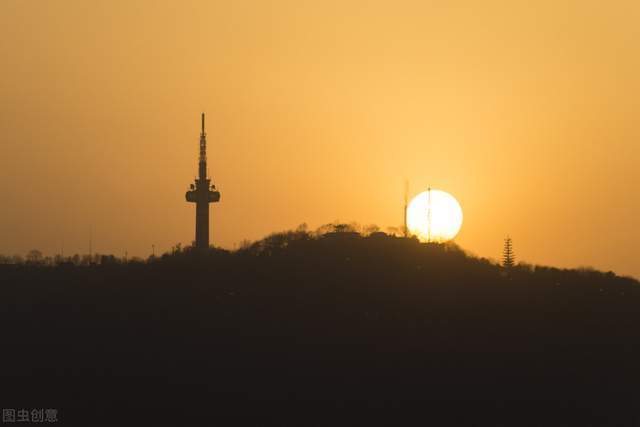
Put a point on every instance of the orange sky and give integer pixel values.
(317, 111)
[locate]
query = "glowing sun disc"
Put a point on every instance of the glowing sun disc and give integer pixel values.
(434, 216)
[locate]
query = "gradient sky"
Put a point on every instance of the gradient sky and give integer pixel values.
(527, 112)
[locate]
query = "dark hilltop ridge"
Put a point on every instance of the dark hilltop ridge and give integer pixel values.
(330, 328)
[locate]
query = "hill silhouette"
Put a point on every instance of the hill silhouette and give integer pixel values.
(300, 323)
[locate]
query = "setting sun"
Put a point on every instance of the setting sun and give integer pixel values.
(434, 216)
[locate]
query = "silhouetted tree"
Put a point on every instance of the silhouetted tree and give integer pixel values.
(34, 256)
(111, 260)
(245, 244)
(397, 231)
(508, 257)
(370, 229)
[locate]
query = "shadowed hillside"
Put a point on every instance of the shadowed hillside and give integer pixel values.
(298, 323)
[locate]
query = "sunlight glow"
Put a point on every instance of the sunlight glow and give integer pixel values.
(434, 216)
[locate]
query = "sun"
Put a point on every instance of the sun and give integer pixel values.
(434, 216)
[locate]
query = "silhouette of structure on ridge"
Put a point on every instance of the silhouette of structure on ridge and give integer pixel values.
(202, 193)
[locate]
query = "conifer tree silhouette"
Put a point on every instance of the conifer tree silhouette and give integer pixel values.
(508, 257)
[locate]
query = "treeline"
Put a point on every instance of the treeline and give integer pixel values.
(35, 257)
(275, 243)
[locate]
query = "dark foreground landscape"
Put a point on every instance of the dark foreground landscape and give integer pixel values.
(339, 329)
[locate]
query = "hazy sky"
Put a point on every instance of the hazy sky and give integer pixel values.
(527, 112)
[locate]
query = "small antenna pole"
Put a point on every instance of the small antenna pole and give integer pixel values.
(429, 215)
(406, 196)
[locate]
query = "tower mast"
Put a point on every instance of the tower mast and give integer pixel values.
(202, 193)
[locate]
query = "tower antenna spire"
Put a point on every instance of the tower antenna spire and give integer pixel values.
(202, 163)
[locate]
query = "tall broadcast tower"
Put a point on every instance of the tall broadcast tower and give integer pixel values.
(202, 193)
